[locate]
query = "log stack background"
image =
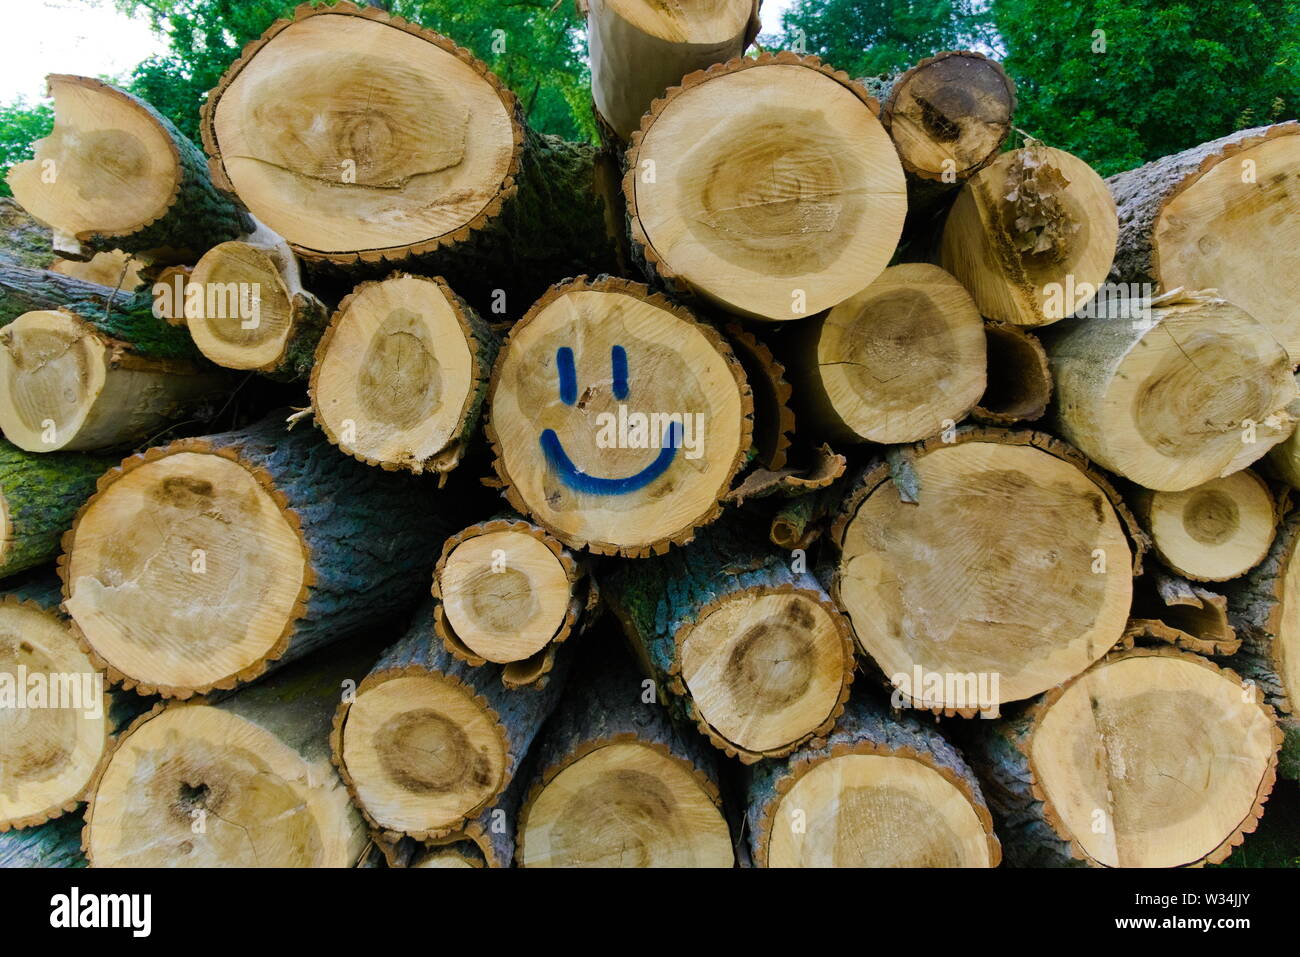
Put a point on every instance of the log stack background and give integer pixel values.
(782, 482)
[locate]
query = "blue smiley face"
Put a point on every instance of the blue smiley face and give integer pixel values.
(574, 477)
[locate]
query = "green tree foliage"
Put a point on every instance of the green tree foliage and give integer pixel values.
(1162, 76)
(874, 37)
(20, 126)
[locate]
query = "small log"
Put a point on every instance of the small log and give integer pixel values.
(1019, 377)
(618, 784)
(1213, 532)
(1031, 236)
(638, 50)
(364, 139)
(773, 418)
(765, 186)
(459, 854)
(32, 290)
(507, 592)
(429, 743)
(618, 420)
(54, 844)
(739, 642)
(401, 374)
(983, 570)
(1182, 614)
(1219, 216)
(116, 174)
(240, 780)
(1152, 758)
(902, 360)
(39, 497)
(203, 563)
(1171, 395)
(883, 790)
(279, 334)
(112, 268)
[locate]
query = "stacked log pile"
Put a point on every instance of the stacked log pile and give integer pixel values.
(805, 476)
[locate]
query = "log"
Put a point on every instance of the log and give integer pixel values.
(489, 839)
(204, 563)
(238, 780)
(773, 418)
(902, 360)
(363, 139)
(1171, 395)
(883, 790)
(631, 467)
(508, 592)
(739, 642)
(401, 374)
(429, 742)
(638, 49)
(1262, 607)
(1183, 614)
(1019, 377)
(1219, 216)
(1031, 236)
(459, 854)
(766, 187)
(31, 290)
(1152, 758)
(617, 783)
(23, 241)
(112, 268)
(54, 844)
(1212, 532)
(81, 379)
(39, 498)
(56, 711)
(116, 174)
(983, 570)
(279, 334)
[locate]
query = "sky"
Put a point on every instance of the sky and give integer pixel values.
(92, 38)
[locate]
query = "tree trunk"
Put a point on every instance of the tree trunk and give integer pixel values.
(357, 159)
(902, 360)
(116, 174)
(1219, 216)
(54, 844)
(243, 780)
(1212, 532)
(508, 594)
(883, 790)
(638, 50)
(23, 241)
(1171, 395)
(983, 570)
(789, 204)
(739, 639)
(1152, 758)
(598, 467)
(618, 784)
(430, 742)
(401, 374)
(25, 290)
(1031, 236)
(39, 497)
(204, 563)
(1019, 377)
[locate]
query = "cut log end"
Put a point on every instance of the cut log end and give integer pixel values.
(1019, 377)
(185, 572)
(619, 422)
(50, 748)
(1213, 532)
(778, 211)
(624, 804)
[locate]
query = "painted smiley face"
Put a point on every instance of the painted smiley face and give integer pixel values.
(569, 473)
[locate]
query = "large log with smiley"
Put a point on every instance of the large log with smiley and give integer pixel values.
(618, 420)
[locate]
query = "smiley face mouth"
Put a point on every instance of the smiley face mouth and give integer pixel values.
(580, 481)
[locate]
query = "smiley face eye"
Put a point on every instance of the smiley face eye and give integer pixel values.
(569, 376)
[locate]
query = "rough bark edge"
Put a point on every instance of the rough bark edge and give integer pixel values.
(827, 467)
(802, 765)
(267, 482)
(643, 250)
(1038, 710)
(900, 461)
(509, 186)
(448, 457)
(887, 111)
(551, 772)
(339, 722)
(1256, 607)
(57, 810)
(572, 570)
(759, 363)
(92, 794)
(642, 292)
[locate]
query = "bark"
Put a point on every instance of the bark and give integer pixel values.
(28, 290)
(56, 843)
